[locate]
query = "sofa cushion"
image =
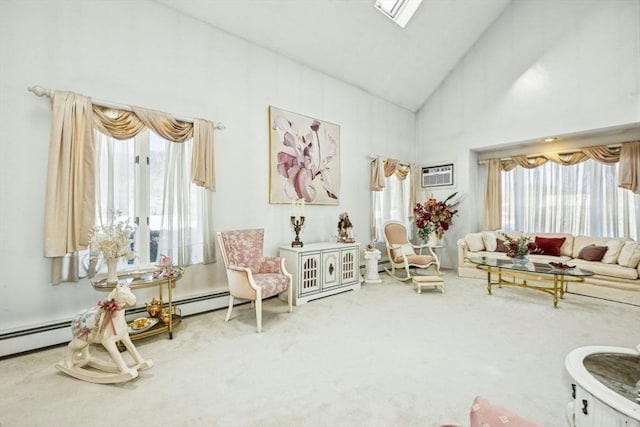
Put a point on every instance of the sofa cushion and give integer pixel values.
(484, 413)
(613, 251)
(500, 246)
(550, 245)
(612, 270)
(474, 241)
(629, 255)
(490, 240)
(567, 246)
(592, 252)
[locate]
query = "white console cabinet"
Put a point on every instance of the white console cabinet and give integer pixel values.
(322, 269)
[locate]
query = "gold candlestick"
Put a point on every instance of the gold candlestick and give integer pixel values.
(297, 225)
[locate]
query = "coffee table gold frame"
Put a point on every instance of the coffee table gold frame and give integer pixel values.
(537, 272)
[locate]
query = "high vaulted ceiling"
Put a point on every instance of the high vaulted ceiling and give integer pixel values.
(353, 42)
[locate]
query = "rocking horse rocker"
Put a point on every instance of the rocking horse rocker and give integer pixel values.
(104, 324)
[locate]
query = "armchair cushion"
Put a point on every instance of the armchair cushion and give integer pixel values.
(271, 283)
(399, 250)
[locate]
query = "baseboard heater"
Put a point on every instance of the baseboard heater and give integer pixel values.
(22, 341)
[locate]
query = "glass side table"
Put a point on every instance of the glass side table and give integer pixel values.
(145, 279)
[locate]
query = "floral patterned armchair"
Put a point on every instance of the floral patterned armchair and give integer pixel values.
(251, 275)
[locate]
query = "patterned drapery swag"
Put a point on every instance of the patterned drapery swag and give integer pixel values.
(70, 202)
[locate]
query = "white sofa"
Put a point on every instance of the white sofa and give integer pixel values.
(617, 275)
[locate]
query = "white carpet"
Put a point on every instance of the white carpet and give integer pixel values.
(380, 356)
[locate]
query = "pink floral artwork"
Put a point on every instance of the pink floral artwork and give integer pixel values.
(305, 161)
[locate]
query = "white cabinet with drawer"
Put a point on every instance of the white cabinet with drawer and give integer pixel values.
(322, 269)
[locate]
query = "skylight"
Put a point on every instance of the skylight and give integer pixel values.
(399, 11)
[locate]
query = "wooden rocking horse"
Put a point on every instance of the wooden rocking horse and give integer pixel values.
(103, 324)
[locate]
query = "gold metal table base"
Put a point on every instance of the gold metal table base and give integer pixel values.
(559, 281)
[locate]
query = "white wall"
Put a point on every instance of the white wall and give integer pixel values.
(545, 67)
(145, 54)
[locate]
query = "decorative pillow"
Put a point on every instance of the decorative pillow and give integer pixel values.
(500, 246)
(486, 414)
(404, 249)
(475, 242)
(611, 256)
(489, 239)
(593, 253)
(629, 255)
(550, 245)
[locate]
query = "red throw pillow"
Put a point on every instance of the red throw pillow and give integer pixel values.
(501, 246)
(592, 253)
(486, 413)
(550, 245)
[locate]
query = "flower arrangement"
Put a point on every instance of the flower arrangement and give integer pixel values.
(435, 216)
(113, 241)
(520, 247)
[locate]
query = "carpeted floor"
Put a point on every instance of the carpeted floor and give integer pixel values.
(380, 356)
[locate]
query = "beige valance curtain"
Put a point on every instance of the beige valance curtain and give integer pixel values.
(628, 155)
(384, 168)
(122, 124)
(70, 203)
(381, 168)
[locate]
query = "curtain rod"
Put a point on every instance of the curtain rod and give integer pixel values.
(41, 91)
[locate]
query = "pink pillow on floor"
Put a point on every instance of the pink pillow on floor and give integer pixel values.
(486, 414)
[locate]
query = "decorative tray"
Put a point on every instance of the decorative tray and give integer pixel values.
(561, 266)
(142, 324)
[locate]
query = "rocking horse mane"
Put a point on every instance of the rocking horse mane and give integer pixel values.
(122, 296)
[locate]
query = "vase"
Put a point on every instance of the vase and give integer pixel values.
(520, 260)
(112, 270)
(433, 239)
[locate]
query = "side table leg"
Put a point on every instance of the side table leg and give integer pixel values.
(489, 281)
(170, 294)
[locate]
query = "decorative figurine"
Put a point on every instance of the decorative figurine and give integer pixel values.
(345, 233)
(104, 324)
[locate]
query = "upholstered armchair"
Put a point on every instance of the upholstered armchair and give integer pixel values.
(402, 252)
(251, 275)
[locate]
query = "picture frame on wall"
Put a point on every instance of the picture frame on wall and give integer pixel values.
(436, 176)
(304, 159)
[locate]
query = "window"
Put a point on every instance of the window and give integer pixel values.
(148, 179)
(399, 11)
(582, 199)
(392, 203)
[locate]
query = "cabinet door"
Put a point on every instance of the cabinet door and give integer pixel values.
(349, 265)
(330, 269)
(309, 274)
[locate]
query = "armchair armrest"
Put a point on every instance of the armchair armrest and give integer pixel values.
(241, 281)
(239, 268)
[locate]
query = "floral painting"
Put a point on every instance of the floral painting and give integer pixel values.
(305, 159)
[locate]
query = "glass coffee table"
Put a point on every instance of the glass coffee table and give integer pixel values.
(510, 274)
